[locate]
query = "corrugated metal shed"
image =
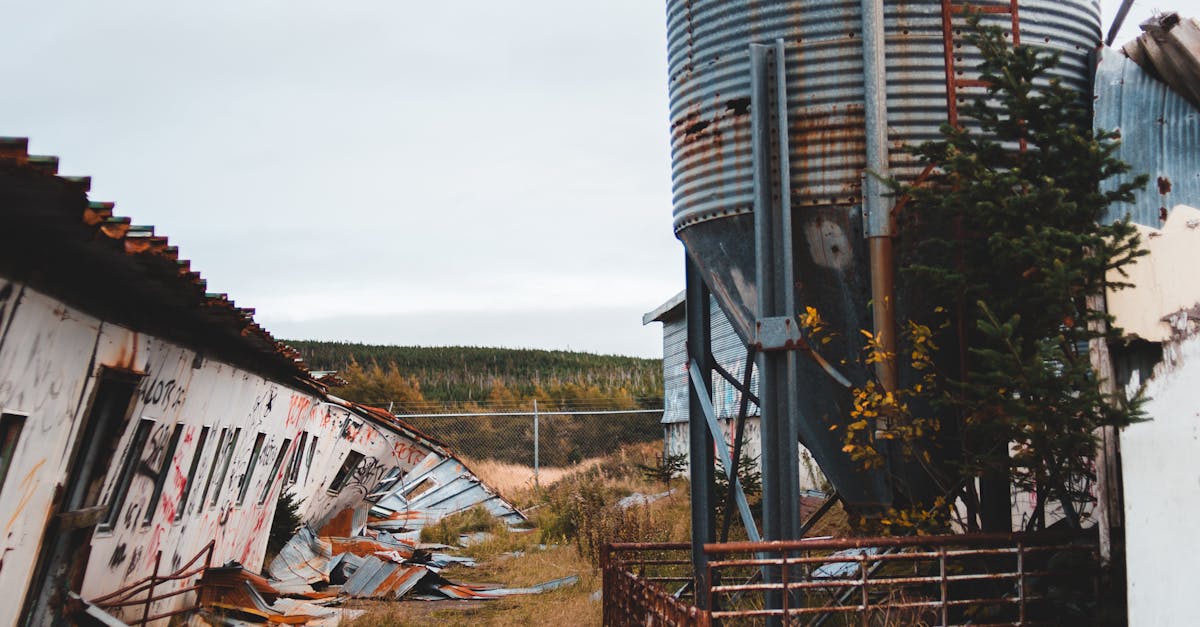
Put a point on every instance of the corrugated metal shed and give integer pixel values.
(727, 348)
(1160, 136)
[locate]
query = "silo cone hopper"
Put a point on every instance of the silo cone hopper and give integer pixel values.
(779, 109)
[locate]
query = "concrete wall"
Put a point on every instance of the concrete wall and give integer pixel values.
(50, 358)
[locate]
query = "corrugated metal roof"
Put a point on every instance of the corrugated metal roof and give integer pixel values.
(378, 578)
(1160, 136)
(669, 310)
(437, 487)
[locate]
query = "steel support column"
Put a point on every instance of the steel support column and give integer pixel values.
(704, 516)
(776, 301)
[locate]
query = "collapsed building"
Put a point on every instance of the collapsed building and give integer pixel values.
(147, 422)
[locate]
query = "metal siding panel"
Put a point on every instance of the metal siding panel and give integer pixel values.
(675, 407)
(730, 353)
(1160, 136)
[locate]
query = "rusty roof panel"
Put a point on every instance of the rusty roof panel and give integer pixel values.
(1160, 136)
(305, 558)
(378, 578)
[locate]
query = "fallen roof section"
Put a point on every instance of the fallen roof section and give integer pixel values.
(1160, 136)
(1169, 50)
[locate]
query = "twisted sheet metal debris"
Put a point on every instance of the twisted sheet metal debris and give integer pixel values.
(437, 487)
(325, 570)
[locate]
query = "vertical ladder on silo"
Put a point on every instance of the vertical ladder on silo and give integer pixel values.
(955, 81)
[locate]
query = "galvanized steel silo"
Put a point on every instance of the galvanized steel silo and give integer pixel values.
(709, 74)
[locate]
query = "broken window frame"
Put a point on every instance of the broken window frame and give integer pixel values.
(129, 464)
(349, 465)
(160, 481)
(270, 483)
(312, 452)
(194, 468)
(293, 467)
(251, 466)
(226, 457)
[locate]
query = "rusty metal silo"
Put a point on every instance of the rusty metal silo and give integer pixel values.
(845, 107)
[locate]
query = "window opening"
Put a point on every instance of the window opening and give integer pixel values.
(244, 485)
(293, 469)
(348, 467)
(192, 470)
(106, 422)
(10, 433)
(262, 498)
(312, 452)
(164, 469)
(385, 483)
(226, 457)
(133, 455)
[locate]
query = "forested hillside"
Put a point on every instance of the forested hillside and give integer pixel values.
(460, 374)
(417, 380)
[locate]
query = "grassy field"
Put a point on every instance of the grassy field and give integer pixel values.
(574, 511)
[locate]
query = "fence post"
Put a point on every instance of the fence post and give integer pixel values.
(535, 444)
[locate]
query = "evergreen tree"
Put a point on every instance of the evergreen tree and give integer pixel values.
(1008, 249)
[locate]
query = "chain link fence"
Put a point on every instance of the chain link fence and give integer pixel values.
(538, 445)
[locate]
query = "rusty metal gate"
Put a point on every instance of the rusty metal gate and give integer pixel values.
(975, 579)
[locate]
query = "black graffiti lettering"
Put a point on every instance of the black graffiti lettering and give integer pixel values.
(118, 556)
(165, 392)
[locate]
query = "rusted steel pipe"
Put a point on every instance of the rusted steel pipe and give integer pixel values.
(880, 227)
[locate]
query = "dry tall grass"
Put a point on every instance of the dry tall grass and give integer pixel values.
(511, 479)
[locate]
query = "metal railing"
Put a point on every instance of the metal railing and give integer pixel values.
(636, 578)
(125, 597)
(976, 579)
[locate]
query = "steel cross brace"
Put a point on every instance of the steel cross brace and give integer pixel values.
(710, 416)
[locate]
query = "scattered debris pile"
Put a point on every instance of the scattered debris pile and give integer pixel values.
(347, 558)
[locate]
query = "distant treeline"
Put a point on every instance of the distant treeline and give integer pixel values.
(475, 379)
(472, 373)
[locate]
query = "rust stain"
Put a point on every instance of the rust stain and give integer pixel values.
(1164, 185)
(828, 139)
(27, 485)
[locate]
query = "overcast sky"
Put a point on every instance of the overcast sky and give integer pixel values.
(471, 172)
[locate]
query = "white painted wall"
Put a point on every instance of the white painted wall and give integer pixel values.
(50, 355)
(1161, 470)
